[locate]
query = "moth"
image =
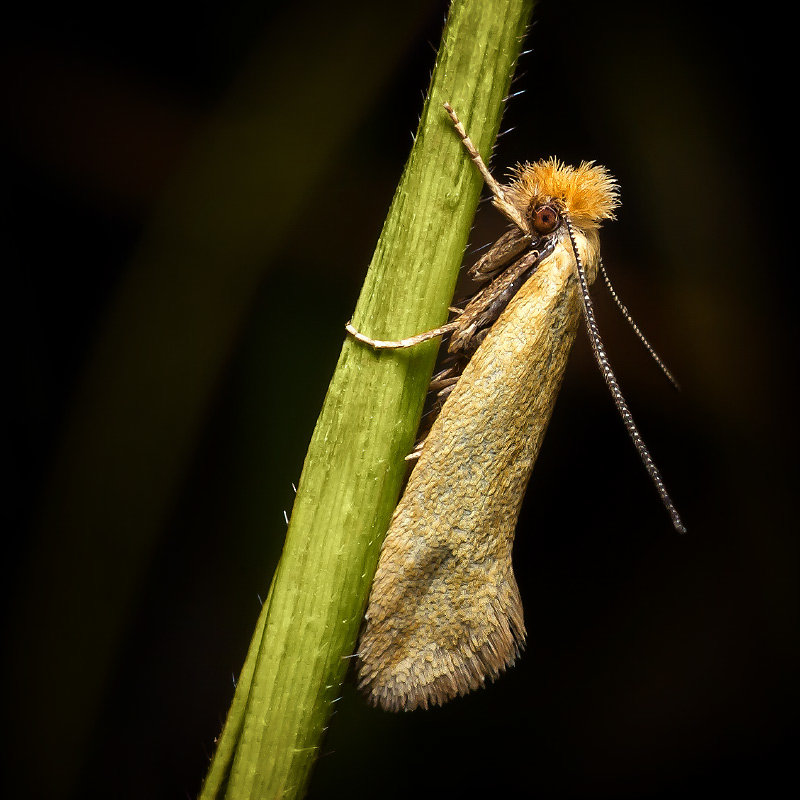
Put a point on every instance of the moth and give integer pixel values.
(444, 612)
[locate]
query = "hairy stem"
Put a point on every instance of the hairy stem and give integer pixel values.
(354, 466)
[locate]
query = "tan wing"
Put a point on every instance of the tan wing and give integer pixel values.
(444, 612)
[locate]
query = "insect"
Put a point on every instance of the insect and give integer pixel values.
(444, 611)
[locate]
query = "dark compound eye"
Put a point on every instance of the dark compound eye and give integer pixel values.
(545, 219)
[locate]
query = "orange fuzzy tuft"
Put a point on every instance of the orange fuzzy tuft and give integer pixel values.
(589, 192)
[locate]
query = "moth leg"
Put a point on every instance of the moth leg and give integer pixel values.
(379, 344)
(494, 187)
(439, 384)
(508, 248)
(415, 453)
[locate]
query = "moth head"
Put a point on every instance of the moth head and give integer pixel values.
(544, 191)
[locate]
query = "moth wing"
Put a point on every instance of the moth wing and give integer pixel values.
(441, 623)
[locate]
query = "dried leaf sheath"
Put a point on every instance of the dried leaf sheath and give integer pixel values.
(444, 611)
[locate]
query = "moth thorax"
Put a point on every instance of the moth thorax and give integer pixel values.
(588, 248)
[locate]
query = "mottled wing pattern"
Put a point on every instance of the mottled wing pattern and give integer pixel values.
(444, 612)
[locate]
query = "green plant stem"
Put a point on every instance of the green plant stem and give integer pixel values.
(354, 466)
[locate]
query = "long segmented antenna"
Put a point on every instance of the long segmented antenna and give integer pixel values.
(636, 329)
(613, 386)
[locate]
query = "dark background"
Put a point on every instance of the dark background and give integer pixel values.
(192, 195)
